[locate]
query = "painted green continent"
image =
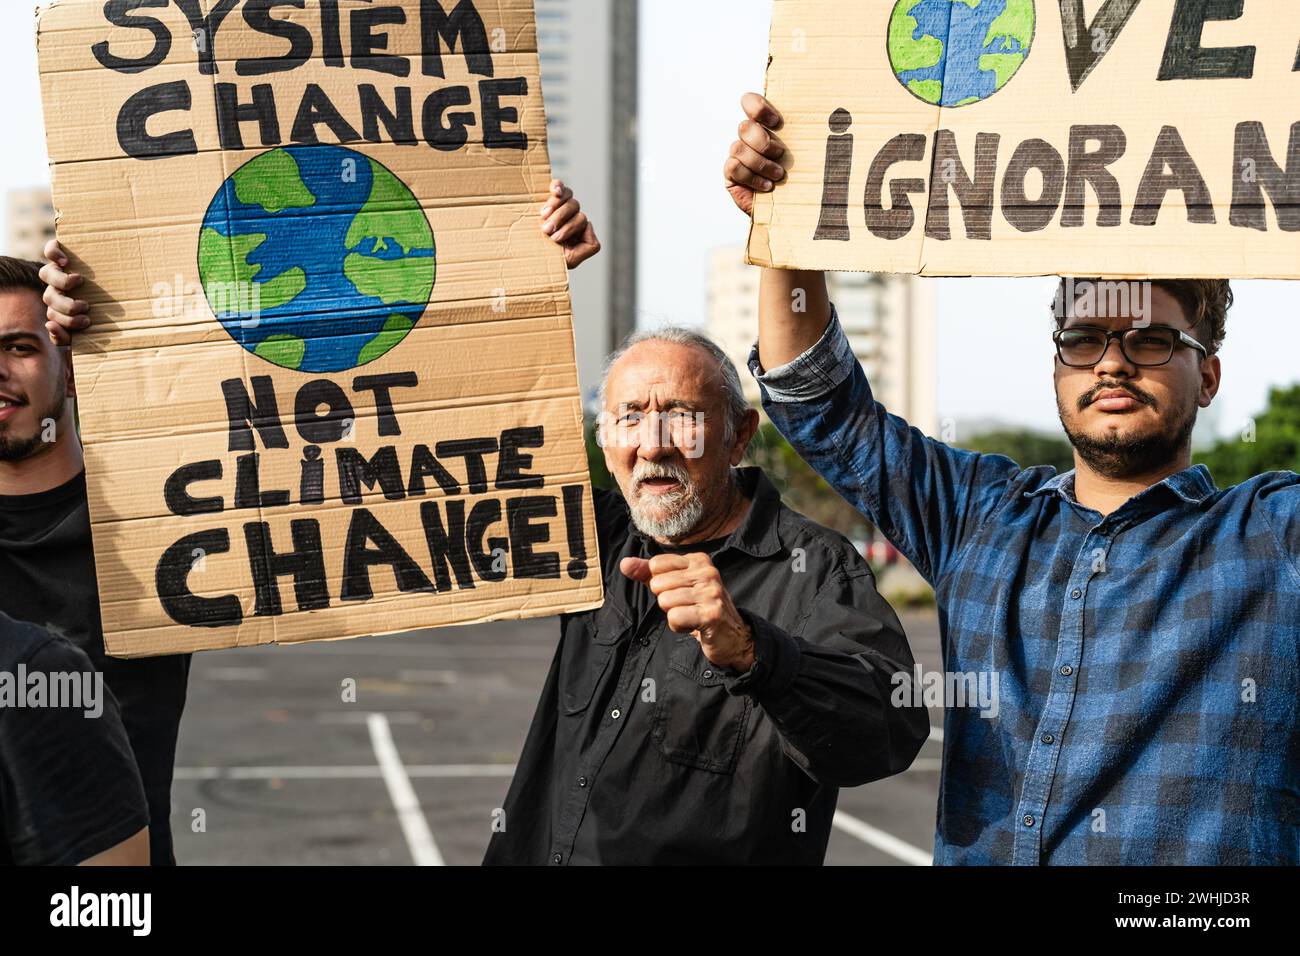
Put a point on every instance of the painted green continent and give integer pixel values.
(284, 350)
(274, 182)
(908, 54)
(1015, 22)
(391, 280)
(390, 213)
(229, 279)
(394, 331)
(1003, 65)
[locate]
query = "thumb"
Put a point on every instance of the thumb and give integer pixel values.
(743, 197)
(638, 569)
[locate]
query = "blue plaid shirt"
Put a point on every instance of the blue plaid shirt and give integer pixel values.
(1146, 662)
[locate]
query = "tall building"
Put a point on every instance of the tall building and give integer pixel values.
(891, 322)
(588, 53)
(29, 222)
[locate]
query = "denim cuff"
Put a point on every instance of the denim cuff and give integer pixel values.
(815, 373)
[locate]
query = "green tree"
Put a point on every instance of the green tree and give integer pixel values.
(600, 476)
(1271, 443)
(1025, 447)
(802, 488)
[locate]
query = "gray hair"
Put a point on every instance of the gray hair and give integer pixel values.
(733, 397)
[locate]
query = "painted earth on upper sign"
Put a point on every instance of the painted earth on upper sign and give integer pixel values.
(316, 258)
(956, 52)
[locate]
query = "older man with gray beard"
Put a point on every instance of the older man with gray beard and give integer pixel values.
(741, 668)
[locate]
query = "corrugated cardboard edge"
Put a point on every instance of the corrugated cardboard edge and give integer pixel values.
(760, 234)
(39, 13)
(519, 614)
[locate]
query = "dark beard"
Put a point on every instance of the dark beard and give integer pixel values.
(17, 449)
(1121, 459)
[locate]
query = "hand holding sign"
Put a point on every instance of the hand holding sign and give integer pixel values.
(931, 138)
(65, 313)
(321, 346)
(562, 219)
(753, 164)
(565, 222)
(691, 591)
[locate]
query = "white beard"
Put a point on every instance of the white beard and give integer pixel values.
(665, 517)
(684, 510)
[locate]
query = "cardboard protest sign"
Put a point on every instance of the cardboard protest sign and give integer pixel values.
(330, 389)
(1131, 138)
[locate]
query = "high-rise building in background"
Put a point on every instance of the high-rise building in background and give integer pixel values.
(891, 322)
(588, 52)
(29, 222)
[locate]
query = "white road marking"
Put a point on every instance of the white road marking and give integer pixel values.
(414, 826)
(343, 717)
(885, 842)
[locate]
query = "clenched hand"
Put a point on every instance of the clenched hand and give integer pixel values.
(691, 591)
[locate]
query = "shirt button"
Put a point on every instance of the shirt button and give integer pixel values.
(616, 713)
(1048, 738)
(582, 781)
(645, 642)
(1076, 594)
(708, 675)
(1029, 822)
(557, 859)
(1066, 670)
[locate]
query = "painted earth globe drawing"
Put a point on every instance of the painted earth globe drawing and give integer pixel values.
(957, 52)
(316, 258)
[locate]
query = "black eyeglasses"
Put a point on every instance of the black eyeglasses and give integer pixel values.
(1083, 346)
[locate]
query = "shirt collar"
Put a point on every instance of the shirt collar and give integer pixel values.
(1193, 485)
(1062, 485)
(757, 533)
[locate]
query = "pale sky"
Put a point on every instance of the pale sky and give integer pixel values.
(697, 58)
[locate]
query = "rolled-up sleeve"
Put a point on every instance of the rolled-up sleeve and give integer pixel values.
(811, 375)
(924, 495)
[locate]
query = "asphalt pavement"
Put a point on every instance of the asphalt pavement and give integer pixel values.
(397, 750)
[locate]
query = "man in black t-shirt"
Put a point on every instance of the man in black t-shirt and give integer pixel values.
(46, 560)
(70, 792)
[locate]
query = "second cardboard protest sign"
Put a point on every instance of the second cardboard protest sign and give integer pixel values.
(1131, 138)
(330, 389)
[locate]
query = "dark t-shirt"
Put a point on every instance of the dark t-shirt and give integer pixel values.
(69, 787)
(47, 568)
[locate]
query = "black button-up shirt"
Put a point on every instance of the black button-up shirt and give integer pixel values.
(643, 752)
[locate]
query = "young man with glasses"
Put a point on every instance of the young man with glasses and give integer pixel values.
(1143, 623)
